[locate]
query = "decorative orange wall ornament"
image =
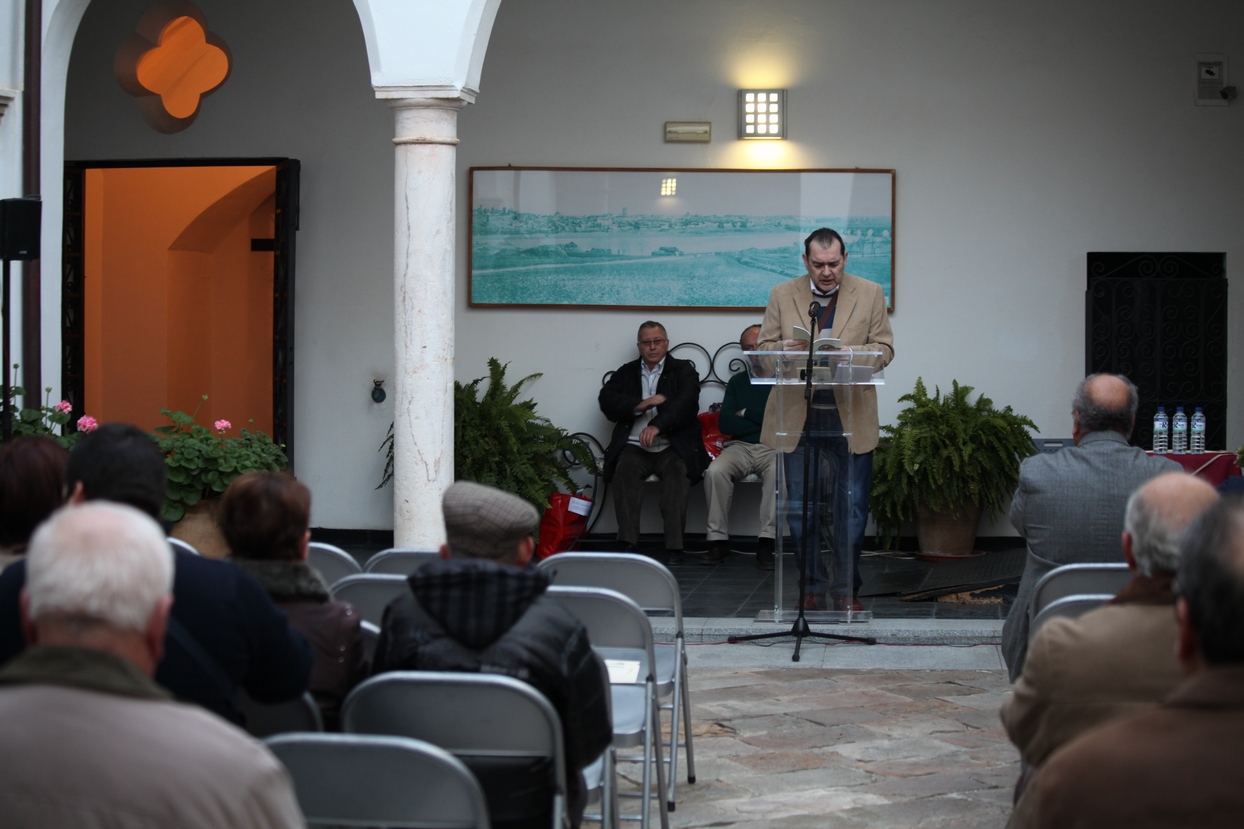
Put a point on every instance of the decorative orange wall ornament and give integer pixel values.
(170, 63)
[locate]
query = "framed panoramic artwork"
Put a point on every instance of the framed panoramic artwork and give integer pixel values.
(660, 238)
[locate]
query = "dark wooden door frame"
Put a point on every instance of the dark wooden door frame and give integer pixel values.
(73, 343)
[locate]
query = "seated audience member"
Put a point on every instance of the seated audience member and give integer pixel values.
(481, 609)
(32, 486)
(654, 403)
(1120, 658)
(264, 517)
(223, 632)
(89, 740)
(1174, 765)
(742, 417)
(1069, 504)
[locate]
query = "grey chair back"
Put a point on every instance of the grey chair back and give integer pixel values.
(1070, 607)
(184, 546)
(333, 563)
(298, 714)
(619, 630)
(366, 780)
(653, 587)
(399, 561)
(502, 728)
(370, 593)
(1078, 579)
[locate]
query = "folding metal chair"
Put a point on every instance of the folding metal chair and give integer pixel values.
(333, 563)
(1078, 579)
(365, 780)
(184, 546)
(653, 587)
(1068, 606)
(298, 714)
(370, 593)
(619, 630)
(502, 728)
(399, 561)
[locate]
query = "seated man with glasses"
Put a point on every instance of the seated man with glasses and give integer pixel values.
(654, 403)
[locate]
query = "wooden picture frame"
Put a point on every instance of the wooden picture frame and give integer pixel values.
(576, 237)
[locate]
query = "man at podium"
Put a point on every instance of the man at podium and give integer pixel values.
(844, 427)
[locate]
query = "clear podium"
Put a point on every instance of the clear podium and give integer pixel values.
(814, 460)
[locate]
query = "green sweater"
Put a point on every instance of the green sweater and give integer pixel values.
(742, 394)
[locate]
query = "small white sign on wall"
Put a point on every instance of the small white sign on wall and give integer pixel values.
(1211, 79)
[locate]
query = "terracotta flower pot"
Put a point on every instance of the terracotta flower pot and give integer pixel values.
(943, 534)
(198, 528)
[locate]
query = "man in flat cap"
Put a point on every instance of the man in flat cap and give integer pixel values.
(480, 609)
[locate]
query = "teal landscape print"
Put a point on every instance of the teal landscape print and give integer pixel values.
(715, 239)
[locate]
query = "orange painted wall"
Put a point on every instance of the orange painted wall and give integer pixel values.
(177, 305)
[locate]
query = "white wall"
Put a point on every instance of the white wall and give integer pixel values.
(1023, 136)
(299, 88)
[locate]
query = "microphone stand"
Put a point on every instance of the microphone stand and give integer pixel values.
(800, 629)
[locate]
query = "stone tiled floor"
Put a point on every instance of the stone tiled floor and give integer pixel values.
(850, 737)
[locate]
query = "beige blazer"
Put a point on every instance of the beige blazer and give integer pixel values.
(859, 320)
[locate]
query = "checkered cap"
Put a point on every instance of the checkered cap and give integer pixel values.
(485, 522)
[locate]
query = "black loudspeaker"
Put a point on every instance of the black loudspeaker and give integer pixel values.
(19, 228)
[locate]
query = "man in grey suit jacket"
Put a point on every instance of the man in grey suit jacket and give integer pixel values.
(1070, 504)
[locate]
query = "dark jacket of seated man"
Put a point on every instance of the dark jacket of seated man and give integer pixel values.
(491, 615)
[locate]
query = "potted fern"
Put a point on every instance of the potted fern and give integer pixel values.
(945, 461)
(501, 441)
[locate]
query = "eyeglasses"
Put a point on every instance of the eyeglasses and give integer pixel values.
(653, 342)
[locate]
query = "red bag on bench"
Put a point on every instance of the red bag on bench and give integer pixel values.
(563, 522)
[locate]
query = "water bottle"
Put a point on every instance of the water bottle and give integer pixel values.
(1179, 431)
(1198, 431)
(1161, 431)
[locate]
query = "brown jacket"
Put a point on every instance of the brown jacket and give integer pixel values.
(1081, 673)
(859, 320)
(1176, 765)
(332, 629)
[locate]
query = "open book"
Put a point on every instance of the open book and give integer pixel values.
(823, 343)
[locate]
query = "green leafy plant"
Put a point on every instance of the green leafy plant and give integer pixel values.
(501, 441)
(946, 453)
(202, 462)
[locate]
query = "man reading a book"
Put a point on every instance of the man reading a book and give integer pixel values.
(831, 302)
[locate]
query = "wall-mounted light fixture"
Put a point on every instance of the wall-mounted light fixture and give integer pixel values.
(669, 186)
(377, 391)
(762, 113)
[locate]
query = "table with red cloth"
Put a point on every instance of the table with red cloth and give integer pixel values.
(1213, 467)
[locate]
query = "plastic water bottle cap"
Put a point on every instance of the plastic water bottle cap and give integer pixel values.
(1179, 410)
(1161, 410)
(1198, 410)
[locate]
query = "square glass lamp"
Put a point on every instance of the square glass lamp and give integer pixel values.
(762, 113)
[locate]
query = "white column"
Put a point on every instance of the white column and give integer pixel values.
(423, 297)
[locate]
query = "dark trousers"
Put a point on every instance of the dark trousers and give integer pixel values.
(849, 478)
(634, 466)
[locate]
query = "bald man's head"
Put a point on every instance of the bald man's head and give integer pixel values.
(1105, 401)
(1158, 513)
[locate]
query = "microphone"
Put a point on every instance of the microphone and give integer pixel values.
(814, 311)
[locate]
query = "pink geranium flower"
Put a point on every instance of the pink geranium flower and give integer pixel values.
(223, 425)
(86, 423)
(63, 407)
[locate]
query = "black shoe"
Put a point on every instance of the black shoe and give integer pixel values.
(718, 552)
(673, 558)
(764, 553)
